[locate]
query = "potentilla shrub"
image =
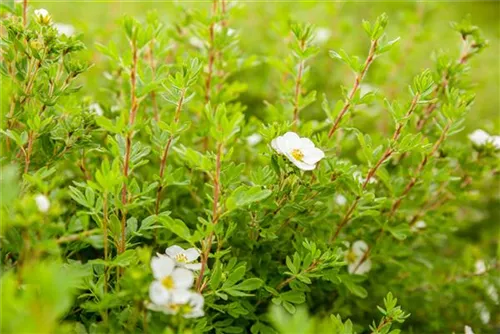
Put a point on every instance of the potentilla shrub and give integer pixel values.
(164, 204)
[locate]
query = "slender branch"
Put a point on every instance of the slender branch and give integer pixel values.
(419, 170)
(164, 157)
(298, 83)
(153, 70)
(407, 189)
(357, 82)
(25, 11)
(77, 236)
(215, 218)
(134, 104)
(283, 283)
(387, 154)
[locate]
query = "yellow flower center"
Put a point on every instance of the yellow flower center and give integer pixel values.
(181, 258)
(297, 154)
(168, 282)
(175, 307)
(351, 257)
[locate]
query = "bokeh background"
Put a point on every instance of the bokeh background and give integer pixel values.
(423, 27)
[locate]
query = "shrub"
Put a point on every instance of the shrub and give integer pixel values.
(194, 186)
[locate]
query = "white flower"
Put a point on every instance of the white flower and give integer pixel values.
(357, 175)
(495, 140)
(43, 16)
(481, 138)
(480, 267)
(340, 200)
(492, 292)
(254, 139)
(484, 313)
(468, 330)
(169, 280)
(42, 202)
(96, 109)
(196, 42)
(184, 258)
(419, 225)
(300, 151)
(64, 29)
(322, 35)
(188, 304)
(354, 256)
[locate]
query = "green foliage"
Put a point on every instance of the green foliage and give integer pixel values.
(170, 127)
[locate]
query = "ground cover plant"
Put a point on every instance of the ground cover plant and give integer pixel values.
(232, 167)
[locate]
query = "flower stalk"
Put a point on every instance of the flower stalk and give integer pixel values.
(355, 87)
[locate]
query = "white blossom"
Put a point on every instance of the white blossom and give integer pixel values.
(169, 280)
(357, 175)
(340, 200)
(468, 330)
(189, 304)
(484, 313)
(322, 35)
(300, 151)
(64, 29)
(184, 258)
(196, 42)
(42, 202)
(254, 139)
(480, 266)
(419, 225)
(43, 16)
(482, 138)
(95, 108)
(354, 257)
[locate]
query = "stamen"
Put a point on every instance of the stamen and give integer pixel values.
(297, 154)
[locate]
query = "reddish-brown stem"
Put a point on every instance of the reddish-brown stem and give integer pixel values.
(419, 170)
(357, 82)
(387, 154)
(291, 278)
(106, 250)
(164, 157)
(153, 70)
(298, 82)
(27, 152)
(134, 105)
(215, 218)
(25, 11)
(441, 87)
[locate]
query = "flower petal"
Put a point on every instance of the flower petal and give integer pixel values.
(174, 250)
(192, 254)
(306, 143)
(183, 278)
(299, 164)
(364, 267)
(312, 155)
(162, 266)
(158, 294)
(275, 145)
(193, 266)
(292, 140)
(180, 296)
(359, 247)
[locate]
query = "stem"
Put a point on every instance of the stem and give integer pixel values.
(357, 81)
(134, 105)
(419, 170)
(387, 154)
(164, 157)
(153, 70)
(215, 217)
(298, 82)
(77, 236)
(291, 278)
(25, 10)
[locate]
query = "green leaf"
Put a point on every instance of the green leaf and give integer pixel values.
(249, 284)
(244, 196)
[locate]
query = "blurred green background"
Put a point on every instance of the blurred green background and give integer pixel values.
(423, 27)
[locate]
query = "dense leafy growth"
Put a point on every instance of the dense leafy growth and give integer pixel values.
(185, 180)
